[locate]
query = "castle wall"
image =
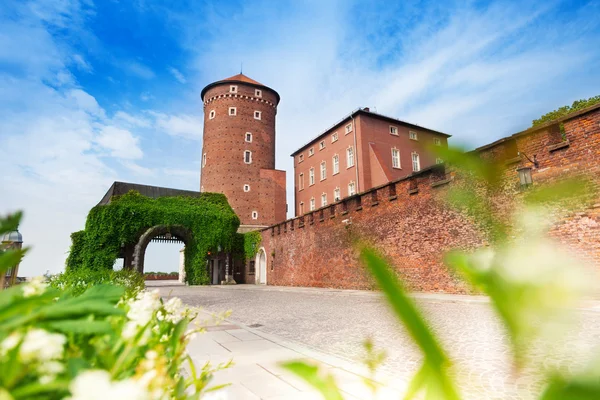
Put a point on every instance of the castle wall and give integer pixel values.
(410, 223)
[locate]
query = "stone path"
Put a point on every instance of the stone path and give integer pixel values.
(336, 322)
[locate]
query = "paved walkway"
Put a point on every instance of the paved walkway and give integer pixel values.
(330, 325)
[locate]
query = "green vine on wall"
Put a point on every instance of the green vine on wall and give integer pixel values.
(119, 224)
(564, 111)
(251, 244)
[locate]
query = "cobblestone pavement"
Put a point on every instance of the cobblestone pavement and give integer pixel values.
(337, 322)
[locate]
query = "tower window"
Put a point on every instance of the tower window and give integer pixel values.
(232, 111)
(336, 164)
(301, 182)
(258, 92)
(323, 199)
(416, 162)
(301, 207)
(257, 114)
(350, 157)
(395, 158)
(323, 170)
(248, 157)
(393, 130)
(311, 152)
(246, 188)
(301, 158)
(334, 137)
(203, 159)
(233, 89)
(413, 135)
(312, 203)
(437, 141)
(322, 145)
(349, 128)
(254, 215)
(211, 114)
(248, 137)
(311, 177)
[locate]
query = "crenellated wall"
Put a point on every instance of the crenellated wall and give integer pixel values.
(410, 222)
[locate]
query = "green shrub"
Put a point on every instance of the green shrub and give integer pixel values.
(79, 280)
(566, 110)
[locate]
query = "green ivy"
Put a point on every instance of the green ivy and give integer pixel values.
(564, 111)
(209, 217)
(251, 244)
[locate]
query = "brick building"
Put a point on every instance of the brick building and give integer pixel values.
(238, 154)
(362, 151)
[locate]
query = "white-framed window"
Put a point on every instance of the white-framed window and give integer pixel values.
(301, 158)
(349, 157)
(323, 170)
(254, 214)
(212, 114)
(413, 135)
(393, 130)
(395, 158)
(246, 188)
(437, 141)
(311, 177)
(334, 137)
(202, 188)
(203, 160)
(301, 207)
(233, 89)
(336, 194)
(248, 137)
(351, 189)
(312, 203)
(336, 164)
(439, 161)
(258, 92)
(257, 114)
(232, 111)
(348, 128)
(311, 152)
(416, 162)
(301, 181)
(323, 199)
(321, 145)
(248, 157)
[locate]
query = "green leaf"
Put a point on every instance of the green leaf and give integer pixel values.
(10, 258)
(107, 292)
(80, 326)
(10, 223)
(310, 373)
(57, 388)
(436, 362)
(576, 389)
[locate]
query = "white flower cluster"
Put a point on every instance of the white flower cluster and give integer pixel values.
(175, 311)
(35, 287)
(141, 311)
(97, 385)
(41, 347)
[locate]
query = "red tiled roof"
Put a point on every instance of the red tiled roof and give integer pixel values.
(242, 78)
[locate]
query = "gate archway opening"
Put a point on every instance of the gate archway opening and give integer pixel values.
(160, 234)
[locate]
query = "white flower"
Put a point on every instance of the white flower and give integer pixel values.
(96, 385)
(35, 287)
(143, 307)
(10, 343)
(164, 338)
(41, 345)
(129, 330)
(175, 311)
(51, 368)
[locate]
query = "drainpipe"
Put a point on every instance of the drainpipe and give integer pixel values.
(355, 154)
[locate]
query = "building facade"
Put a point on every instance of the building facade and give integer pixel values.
(238, 153)
(362, 151)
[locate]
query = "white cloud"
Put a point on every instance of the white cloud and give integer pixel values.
(81, 63)
(138, 69)
(120, 142)
(177, 74)
(186, 126)
(129, 119)
(138, 169)
(145, 96)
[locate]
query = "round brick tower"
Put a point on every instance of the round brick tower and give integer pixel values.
(238, 154)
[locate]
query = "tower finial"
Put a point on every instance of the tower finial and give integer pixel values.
(242, 67)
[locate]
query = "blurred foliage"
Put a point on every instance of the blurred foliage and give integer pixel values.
(10, 257)
(79, 280)
(566, 110)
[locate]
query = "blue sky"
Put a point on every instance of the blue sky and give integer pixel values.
(93, 92)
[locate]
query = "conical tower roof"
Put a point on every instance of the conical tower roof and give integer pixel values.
(239, 78)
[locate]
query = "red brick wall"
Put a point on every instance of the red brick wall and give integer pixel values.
(224, 145)
(415, 228)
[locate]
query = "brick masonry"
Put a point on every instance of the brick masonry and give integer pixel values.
(409, 221)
